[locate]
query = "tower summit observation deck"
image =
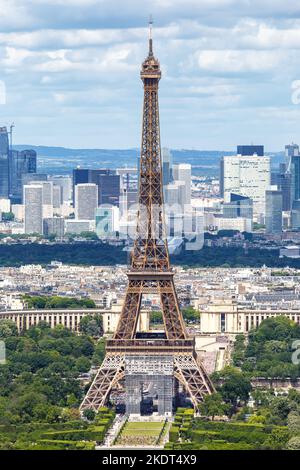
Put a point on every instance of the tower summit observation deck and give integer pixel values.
(150, 273)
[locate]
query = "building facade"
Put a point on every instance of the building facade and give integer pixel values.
(4, 163)
(33, 211)
(86, 201)
(273, 211)
(22, 163)
(249, 176)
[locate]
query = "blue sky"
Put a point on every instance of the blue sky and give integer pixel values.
(71, 71)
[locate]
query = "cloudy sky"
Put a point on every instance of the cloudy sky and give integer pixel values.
(71, 71)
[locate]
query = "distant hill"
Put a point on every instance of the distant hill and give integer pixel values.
(61, 160)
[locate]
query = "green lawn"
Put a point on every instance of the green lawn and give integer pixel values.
(140, 433)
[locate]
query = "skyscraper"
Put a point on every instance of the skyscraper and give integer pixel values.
(249, 176)
(4, 163)
(167, 162)
(273, 210)
(291, 150)
(293, 167)
(57, 196)
(284, 184)
(107, 181)
(250, 150)
(36, 178)
(33, 202)
(65, 183)
(109, 189)
(22, 163)
(54, 226)
(238, 206)
(86, 201)
(183, 172)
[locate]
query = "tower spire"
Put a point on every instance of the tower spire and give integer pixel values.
(150, 36)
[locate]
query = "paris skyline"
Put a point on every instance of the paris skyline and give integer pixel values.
(71, 72)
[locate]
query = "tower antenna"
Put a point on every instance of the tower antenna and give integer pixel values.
(150, 36)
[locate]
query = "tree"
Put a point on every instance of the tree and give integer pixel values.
(236, 386)
(257, 419)
(83, 364)
(191, 315)
(280, 408)
(99, 352)
(277, 440)
(213, 405)
(89, 414)
(7, 328)
(156, 318)
(92, 325)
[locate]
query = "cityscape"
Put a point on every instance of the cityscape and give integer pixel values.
(149, 296)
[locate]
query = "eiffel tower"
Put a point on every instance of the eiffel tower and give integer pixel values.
(150, 273)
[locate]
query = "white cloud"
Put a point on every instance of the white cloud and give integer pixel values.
(233, 61)
(219, 59)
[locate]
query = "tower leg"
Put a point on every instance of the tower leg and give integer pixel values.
(109, 374)
(193, 377)
(129, 317)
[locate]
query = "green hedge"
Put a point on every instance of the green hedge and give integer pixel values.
(174, 433)
(48, 444)
(95, 434)
(230, 435)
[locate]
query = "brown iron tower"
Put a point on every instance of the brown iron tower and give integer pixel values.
(150, 273)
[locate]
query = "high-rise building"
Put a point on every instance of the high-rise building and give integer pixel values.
(128, 179)
(250, 150)
(107, 181)
(22, 163)
(76, 226)
(4, 163)
(284, 184)
(291, 150)
(86, 201)
(54, 226)
(128, 189)
(293, 167)
(107, 221)
(57, 196)
(238, 206)
(109, 189)
(183, 172)
(28, 178)
(273, 210)
(249, 176)
(33, 202)
(167, 163)
(295, 215)
(65, 183)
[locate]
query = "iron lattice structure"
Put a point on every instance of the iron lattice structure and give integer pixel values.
(150, 272)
